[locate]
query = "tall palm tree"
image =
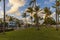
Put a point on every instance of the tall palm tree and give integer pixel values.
(30, 10)
(57, 13)
(35, 9)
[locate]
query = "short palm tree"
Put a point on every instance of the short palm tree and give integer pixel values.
(17, 23)
(24, 15)
(11, 19)
(48, 13)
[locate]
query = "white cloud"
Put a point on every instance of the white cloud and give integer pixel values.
(53, 15)
(18, 14)
(51, 0)
(15, 5)
(1, 14)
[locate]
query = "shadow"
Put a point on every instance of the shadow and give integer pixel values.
(7, 30)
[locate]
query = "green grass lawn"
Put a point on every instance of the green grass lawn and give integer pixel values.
(32, 34)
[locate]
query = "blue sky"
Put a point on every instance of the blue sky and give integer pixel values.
(21, 7)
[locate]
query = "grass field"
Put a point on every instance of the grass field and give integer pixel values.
(32, 34)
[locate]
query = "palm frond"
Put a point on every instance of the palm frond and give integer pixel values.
(32, 2)
(37, 8)
(24, 15)
(30, 10)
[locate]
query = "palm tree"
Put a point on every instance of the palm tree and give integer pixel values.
(11, 19)
(35, 8)
(48, 13)
(36, 16)
(24, 15)
(57, 15)
(33, 2)
(17, 22)
(30, 10)
(57, 12)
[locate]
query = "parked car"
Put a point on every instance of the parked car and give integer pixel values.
(12, 24)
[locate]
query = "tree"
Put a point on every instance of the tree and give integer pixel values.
(50, 21)
(35, 9)
(57, 15)
(47, 12)
(30, 10)
(11, 19)
(57, 5)
(24, 15)
(18, 23)
(33, 2)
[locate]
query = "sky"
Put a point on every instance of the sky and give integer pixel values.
(17, 7)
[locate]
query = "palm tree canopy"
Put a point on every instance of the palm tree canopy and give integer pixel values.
(57, 3)
(37, 8)
(47, 11)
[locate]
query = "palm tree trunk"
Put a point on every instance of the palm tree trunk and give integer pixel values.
(31, 17)
(35, 3)
(56, 17)
(26, 23)
(56, 21)
(4, 17)
(37, 21)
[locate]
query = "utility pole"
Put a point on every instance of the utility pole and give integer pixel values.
(4, 17)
